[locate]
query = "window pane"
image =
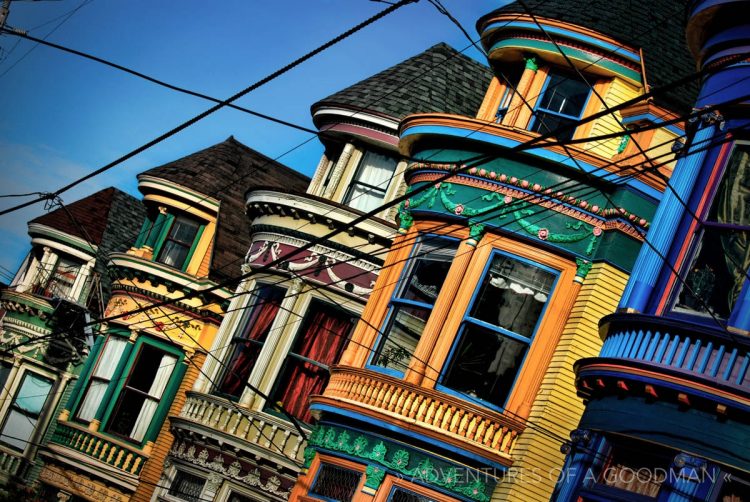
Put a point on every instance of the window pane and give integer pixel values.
(187, 486)
(4, 372)
(236, 497)
(403, 333)
(255, 328)
(428, 268)
(61, 281)
(485, 364)
(365, 198)
(637, 471)
(336, 483)
(564, 94)
(25, 409)
(546, 122)
(178, 242)
(402, 495)
(513, 295)
(371, 181)
(322, 337)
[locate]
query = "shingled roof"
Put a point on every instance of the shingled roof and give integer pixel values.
(439, 79)
(226, 171)
(656, 26)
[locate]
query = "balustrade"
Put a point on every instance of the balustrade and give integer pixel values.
(103, 449)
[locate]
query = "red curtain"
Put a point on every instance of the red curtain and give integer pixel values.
(246, 353)
(322, 341)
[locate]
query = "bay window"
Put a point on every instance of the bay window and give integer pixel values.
(413, 300)
(56, 281)
(142, 392)
(319, 343)
(498, 328)
(370, 183)
(25, 410)
(256, 324)
(560, 104)
(718, 269)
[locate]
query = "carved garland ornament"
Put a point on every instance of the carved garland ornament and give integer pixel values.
(233, 471)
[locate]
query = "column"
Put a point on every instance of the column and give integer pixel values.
(440, 311)
(649, 263)
(338, 170)
(517, 109)
(320, 174)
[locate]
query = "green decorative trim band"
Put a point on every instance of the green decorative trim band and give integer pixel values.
(394, 457)
(536, 188)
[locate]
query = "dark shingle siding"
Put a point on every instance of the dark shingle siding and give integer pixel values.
(226, 171)
(439, 79)
(656, 26)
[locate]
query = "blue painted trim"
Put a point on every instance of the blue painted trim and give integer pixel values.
(717, 361)
(612, 48)
(730, 365)
(683, 352)
(743, 370)
(694, 355)
(492, 139)
(399, 430)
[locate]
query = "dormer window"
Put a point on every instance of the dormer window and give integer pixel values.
(179, 241)
(560, 104)
(370, 183)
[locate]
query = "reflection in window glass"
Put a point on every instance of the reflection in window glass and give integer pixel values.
(561, 104)
(498, 329)
(413, 301)
(371, 181)
(719, 267)
(179, 241)
(27, 406)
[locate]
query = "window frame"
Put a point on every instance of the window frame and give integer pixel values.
(395, 302)
(338, 465)
(556, 72)
(467, 320)
(359, 171)
(165, 491)
(114, 378)
(702, 223)
(122, 377)
(163, 238)
(41, 418)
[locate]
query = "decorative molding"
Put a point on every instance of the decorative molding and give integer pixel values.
(232, 471)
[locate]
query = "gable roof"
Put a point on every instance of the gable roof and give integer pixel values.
(656, 26)
(226, 171)
(439, 79)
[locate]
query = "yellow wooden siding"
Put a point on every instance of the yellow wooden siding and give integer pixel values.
(556, 409)
(619, 92)
(206, 262)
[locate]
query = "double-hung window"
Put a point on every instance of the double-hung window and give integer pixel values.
(498, 329)
(413, 300)
(319, 343)
(245, 348)
(560, 104)
(719, 266)
(100, 378)
(179, 242)
(57, 281)
(186, 486)
(142, 392)
(370, 183)
(25, 410)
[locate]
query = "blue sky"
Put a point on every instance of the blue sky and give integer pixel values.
(62, 116)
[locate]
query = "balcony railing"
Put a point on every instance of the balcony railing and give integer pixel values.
(258, 429)
(10, 463)
(109, 451)
(685, 348)
(438, 415)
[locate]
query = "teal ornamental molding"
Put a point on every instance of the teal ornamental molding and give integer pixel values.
(396, 458)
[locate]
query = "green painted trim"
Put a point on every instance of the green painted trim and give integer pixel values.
(175, 381)
(531, 63)
(190, 254)
(374, 477)
(163, 233)
(63, 238)
(156, 228)
(394, 457)
(578, 54)
(141, 240)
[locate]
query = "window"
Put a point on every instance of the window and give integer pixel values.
(734, 489)
(636, 470)
(5, 368)
(561, 104)
(413, 301)
(371, 181)
(402, 495)
(246, 347)
(718, 270)
(187, 486)
(57, 281)
(100, 378)
(498, 329)
(335, 483)
(179, 242)
(510, 79)
(142, 392)
(237, 497)
(319, 343)
(25, 410)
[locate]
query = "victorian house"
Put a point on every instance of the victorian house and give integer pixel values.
(111, 437)
(244, 430)
(457, 382)
(61, 285)
(668, 397)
